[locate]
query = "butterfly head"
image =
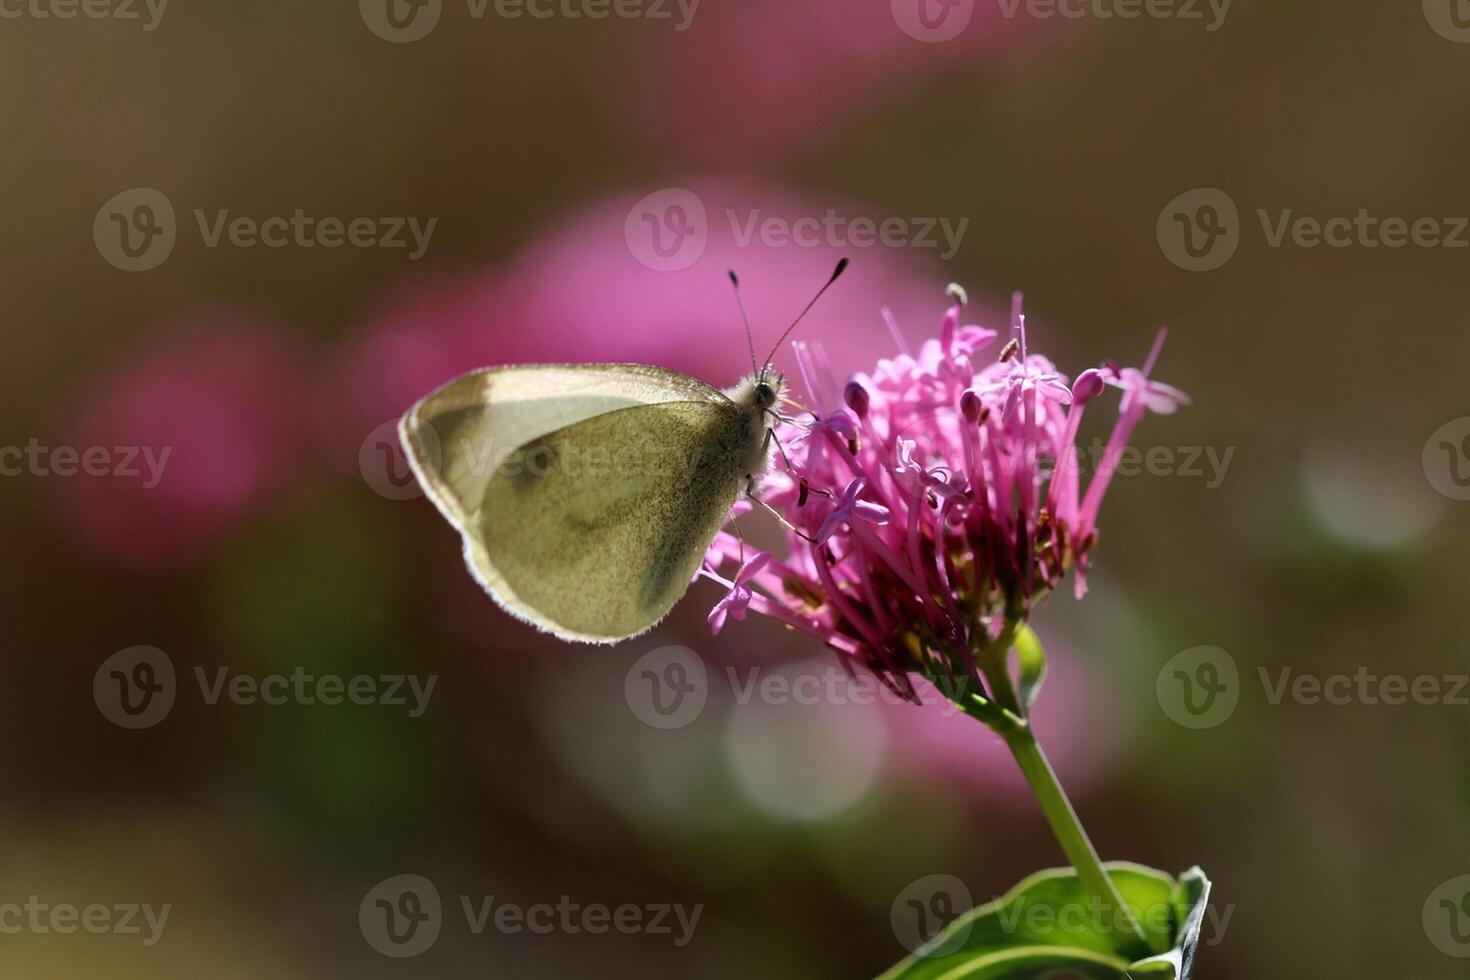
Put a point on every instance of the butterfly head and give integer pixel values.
(765, 394)
(759, 396)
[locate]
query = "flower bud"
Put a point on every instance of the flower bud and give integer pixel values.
(1089, 385)
(970, 405)
(856, 397)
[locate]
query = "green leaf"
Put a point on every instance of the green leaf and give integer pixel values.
(1032, 658)
(1050, 925)
(1193, 899)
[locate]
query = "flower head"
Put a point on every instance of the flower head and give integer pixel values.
(930, 504)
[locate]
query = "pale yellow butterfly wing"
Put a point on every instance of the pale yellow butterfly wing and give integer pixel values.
(592, 526)
(456, 436)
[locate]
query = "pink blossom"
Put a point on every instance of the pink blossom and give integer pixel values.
(974, 475)
(1140, 396)
(220, 400)
(848, 509)
(747, 81)
(738, 598)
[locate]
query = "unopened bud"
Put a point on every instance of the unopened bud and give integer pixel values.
(970, 406)
(1089, 385)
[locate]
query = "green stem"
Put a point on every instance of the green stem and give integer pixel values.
(991, 659)
(1068, 829)
(1004, 713)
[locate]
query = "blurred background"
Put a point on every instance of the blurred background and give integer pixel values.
(239, 240)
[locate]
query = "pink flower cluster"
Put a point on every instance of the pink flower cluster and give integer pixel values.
(929, 504)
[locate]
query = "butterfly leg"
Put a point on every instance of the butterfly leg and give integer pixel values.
(771, 435)
(740, 538)
(785, 523)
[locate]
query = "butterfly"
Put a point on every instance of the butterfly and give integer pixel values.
(588, 494)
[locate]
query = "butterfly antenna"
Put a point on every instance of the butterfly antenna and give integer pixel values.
(841, 268)
(749, 337)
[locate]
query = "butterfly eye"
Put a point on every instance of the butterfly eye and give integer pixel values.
(765, 395)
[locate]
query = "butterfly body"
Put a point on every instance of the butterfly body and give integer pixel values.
(587, 495)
